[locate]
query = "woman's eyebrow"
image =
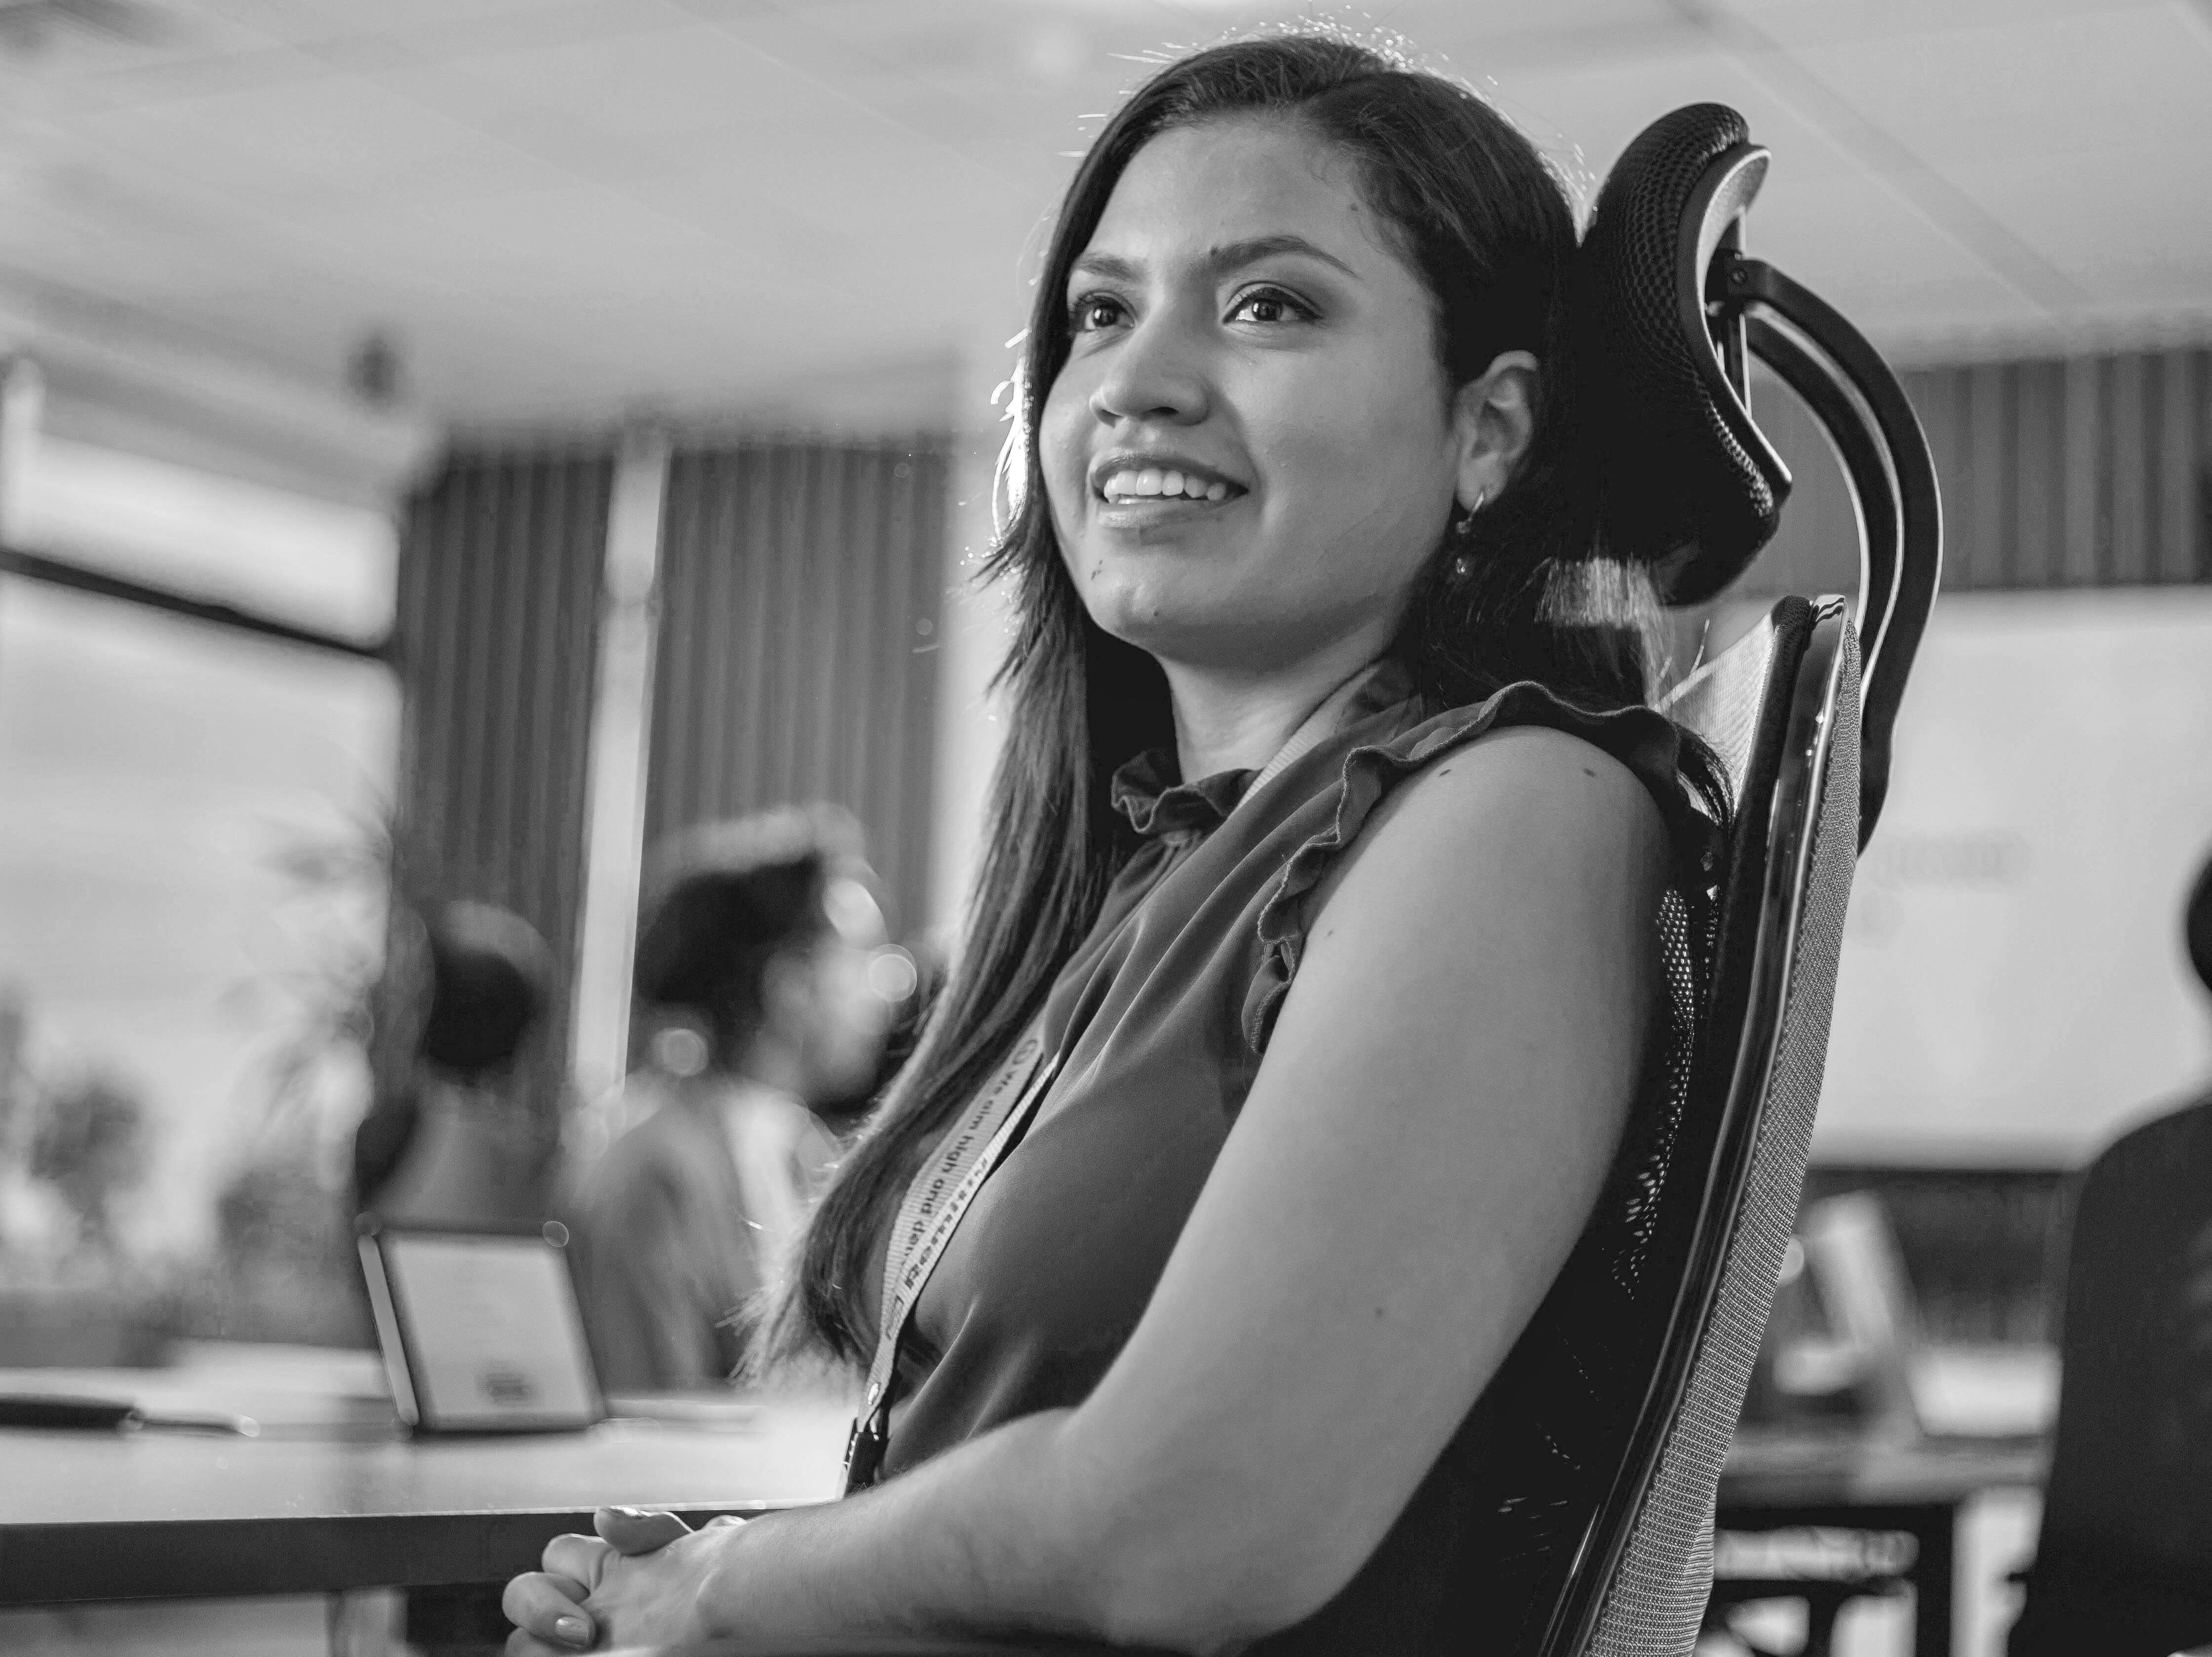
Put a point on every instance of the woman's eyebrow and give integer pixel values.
(1232, 256)
(1227, 256)
(1110, 266)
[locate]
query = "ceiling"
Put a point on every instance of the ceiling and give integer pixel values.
(562, 211)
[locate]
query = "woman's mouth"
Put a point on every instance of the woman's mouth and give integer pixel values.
(1130, 484)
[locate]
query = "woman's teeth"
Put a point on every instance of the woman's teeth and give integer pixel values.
(1152, 480)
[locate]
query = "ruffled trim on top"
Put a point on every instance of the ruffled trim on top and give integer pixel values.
(1641, 738)
(1146, 793)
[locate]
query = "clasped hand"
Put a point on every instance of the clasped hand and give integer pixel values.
(638, 1582)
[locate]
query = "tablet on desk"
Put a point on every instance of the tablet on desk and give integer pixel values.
(480, 1328)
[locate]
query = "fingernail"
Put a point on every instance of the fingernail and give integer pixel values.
(575, 1629)
(631, 1513)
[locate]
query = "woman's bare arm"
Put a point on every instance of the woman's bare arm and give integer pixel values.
(1441, 1100)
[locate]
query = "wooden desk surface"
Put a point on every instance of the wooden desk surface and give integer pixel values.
(330, 1497)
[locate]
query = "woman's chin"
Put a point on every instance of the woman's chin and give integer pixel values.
(1138, 595)
(1164, 624)
(1220, 637)
(1210, 615)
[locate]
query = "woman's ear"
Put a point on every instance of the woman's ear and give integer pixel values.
(1493, 417)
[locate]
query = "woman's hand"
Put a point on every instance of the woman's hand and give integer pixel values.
(636, 1583)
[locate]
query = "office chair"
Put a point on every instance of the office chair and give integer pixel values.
(1800, 713)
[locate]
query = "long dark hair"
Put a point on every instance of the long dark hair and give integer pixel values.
(1491, 229)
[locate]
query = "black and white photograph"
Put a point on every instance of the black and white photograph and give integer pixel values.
(947, 827)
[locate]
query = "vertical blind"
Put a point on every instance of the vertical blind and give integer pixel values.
(2085, 471)
(494, 637)
(800, 587)
(799, 606)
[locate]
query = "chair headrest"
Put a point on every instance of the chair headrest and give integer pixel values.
(1695, 489)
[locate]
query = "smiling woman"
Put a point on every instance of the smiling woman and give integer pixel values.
(1240, 1260)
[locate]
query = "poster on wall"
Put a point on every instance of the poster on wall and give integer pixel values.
(2014, 989)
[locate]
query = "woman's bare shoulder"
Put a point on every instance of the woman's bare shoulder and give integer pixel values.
(1521, 804)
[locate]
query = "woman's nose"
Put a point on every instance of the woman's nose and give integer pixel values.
(1154, 373)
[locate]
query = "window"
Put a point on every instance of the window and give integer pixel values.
(189, 898)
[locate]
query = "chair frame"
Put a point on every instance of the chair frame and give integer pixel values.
(1858, 403)
(1734, 308)
(1815, 720)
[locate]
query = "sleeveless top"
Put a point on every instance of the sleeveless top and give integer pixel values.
(1162, 1015)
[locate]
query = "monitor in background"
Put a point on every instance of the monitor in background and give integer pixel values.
(480, 1328)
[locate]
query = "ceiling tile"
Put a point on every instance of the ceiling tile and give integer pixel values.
(521, 15)
(1599, 110)
(2026, 88)
(1876, 256)
(64, 50)
(566, 205)
(1807, 23)
(270, 19)
(337, 131)
(680, 78)
(2128, 222)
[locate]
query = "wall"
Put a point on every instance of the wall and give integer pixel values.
(2012, 990)
(2013, 987)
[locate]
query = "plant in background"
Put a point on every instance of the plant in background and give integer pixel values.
(88, 1142)
(18, 1096)
(71, 1293)
(345, 900)
(283, 1268)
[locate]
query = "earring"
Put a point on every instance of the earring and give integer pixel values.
(1463, 529)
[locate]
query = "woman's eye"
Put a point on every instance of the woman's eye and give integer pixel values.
(1093, 312)
(1268, 304)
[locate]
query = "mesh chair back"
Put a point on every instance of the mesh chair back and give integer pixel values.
(1781, 710)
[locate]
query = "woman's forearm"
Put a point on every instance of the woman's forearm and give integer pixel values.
(992, 1537)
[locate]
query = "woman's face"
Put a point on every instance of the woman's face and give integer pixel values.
(1249, 454)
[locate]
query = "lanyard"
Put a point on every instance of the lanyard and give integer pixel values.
(935, 1201)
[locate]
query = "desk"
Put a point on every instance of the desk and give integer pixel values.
(1782, 1480)
(330, 1498)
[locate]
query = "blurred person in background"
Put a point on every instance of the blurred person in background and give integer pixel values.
(2123, 1564)
(756, 942)
(466, 1138)
(1322, 918)
(907, 976)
